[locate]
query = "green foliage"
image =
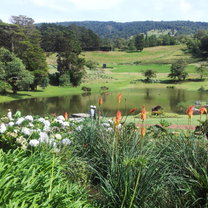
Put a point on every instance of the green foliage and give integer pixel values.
(70, 63)
(37, 180)
(178, 70)
(4, 87)
(125, 30)
(198, 46)
(163, 170)
(149, 73)
(202, 70)
(91, 64)
(64, 80)
(13, 71)
(24, 40)
(139, 42)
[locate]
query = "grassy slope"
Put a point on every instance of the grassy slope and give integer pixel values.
(159, 55)
(156, 58)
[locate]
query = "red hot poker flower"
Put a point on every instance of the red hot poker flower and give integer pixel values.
(118, 117)
(143, 131)
(143, 113)
(119, 97)
(202, 110)
(66, 116)
(132, 110)
(100, 100)
(189, 111)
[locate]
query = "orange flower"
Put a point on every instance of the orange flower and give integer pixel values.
(100, 100)
(143, 113)
(143, 131)
(118, 117)
(66, 116)
(119, 97)
(132, 110)
(203, 110)
(189, 111)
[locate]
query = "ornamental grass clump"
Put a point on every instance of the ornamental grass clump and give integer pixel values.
(186, 169)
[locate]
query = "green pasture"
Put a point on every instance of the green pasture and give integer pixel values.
(152, 55)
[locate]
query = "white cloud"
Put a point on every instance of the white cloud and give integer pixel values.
(79, 4)
(53, 4)
(185, 6)
(95, 4)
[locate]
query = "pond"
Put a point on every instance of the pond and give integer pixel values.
(169, 99)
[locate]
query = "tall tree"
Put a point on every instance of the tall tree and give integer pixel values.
(139, 42)
(30, 51)
(22, 20)
(178, 70)
(202, 70)
(13, 71)
(64, 42)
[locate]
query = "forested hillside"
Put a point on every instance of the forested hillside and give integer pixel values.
(124, 30)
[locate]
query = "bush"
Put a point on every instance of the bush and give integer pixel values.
(64, 80)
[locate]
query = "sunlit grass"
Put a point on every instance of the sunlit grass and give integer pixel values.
(159, 54)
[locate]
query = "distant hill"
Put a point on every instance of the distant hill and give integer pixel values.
(124, 30)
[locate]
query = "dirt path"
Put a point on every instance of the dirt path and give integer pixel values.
(173, 126)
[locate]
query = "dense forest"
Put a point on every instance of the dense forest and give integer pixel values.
(125, 30)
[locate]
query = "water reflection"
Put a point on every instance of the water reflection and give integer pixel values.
(132, 98)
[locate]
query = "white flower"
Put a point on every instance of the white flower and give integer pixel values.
(119, 126)
(43, 137)
(46, 122)
(29, 118)
(34, 142)
(110, 121)
(20, 120)
(21, 140)
(46, 128)
(110, 129)
(79, 128)
(2, 128)
(26, 131)
(60, 118)
(42, 120)
(11, 123)
(65, 124)
(106, 125)
(66, 141)
(9, 115)
(58, 136)
(30, 125)
(52, 143)
(60, 121)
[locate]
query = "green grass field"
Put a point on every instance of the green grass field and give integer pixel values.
(152, 55)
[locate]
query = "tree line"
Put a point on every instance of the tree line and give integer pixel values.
(114, 30)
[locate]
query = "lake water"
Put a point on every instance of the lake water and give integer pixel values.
(168, 98)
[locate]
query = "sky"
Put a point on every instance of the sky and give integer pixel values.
(105, 10)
